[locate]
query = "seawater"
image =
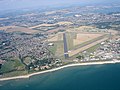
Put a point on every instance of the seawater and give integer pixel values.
(94, 77)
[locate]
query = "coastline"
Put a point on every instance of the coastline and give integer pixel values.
(55, 69)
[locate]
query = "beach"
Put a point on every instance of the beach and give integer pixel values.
(55, 69)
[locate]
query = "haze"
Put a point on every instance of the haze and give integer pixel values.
(17, 4)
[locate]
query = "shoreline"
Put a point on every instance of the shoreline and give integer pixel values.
(62, 67)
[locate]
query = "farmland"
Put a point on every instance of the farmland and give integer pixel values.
(18, 29)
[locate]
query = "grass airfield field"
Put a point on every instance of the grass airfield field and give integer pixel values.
(78, 40)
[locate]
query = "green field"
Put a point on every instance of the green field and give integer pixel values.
(92, 49)
(89, 50)
(57, 49)
(12, 65)
(53, 48)
(70, 36)
(15, 73)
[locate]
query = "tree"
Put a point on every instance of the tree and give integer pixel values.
(80, 57)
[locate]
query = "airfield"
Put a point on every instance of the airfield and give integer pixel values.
(78, 39)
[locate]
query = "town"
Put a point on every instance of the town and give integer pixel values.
(108, 50)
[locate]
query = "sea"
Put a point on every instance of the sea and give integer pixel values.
(93, 77)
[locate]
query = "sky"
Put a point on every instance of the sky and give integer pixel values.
(17, 4)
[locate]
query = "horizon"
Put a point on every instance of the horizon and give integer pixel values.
(20, 4)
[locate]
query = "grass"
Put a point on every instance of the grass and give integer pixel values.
(89, 50)
(69, 38)
(88, 42)
(53, 48)
(12, 65)
(8, 66)
(58, 48)
(92, 49)
(15, 73)
(27, 60)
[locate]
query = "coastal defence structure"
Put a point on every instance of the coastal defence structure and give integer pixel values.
(66, 55)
